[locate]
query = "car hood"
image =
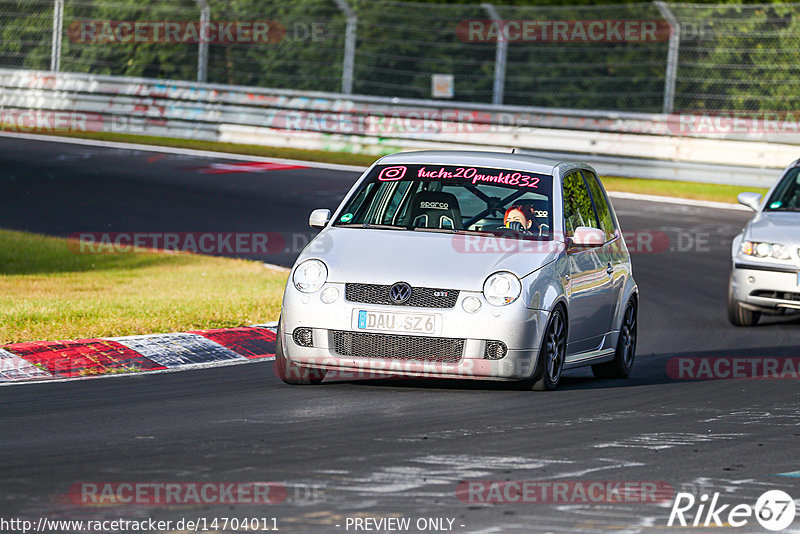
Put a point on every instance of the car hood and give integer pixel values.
(775, 227)
(424, 259)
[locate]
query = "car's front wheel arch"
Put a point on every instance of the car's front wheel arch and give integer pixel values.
(542, 379)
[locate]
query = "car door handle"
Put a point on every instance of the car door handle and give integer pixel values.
(610, 269)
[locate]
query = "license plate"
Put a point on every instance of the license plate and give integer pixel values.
(411, 323)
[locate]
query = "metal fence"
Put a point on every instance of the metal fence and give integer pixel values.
(677, 57)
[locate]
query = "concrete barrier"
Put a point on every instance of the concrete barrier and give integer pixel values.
(627, 144)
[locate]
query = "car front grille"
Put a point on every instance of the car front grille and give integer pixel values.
(782, 295)
(421, 297)
(429, 349)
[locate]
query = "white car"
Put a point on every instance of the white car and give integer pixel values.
(476, 265)
(765, 277)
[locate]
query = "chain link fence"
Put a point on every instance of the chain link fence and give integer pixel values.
(738, 57)
(647, 57)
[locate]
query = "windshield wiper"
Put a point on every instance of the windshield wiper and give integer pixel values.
(372, 226)
(450, 231)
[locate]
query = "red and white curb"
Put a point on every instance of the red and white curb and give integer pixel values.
(84, 358)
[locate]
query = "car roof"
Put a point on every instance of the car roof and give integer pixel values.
(475, 158)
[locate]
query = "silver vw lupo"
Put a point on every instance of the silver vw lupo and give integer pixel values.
(478, 265)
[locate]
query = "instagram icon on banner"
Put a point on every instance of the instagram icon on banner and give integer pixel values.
(389, 174)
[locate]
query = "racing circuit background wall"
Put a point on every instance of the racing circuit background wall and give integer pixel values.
(700, 57)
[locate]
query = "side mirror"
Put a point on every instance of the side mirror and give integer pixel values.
(751, 200)
(319, 218)
(587, 237)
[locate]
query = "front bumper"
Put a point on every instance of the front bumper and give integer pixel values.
(766, 286)
(518, 327)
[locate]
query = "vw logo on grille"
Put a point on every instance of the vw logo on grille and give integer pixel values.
(400, 293)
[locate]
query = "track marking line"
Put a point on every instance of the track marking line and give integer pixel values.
(247, 166)
(182, 151)
(680, 201)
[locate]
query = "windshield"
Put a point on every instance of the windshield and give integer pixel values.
(453, 199)
(786, 196)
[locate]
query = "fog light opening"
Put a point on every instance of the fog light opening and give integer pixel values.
(471, 304)
(303, 337)
(329, 295)
(495, 350)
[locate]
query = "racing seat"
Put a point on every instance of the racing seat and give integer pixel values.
(435, 209)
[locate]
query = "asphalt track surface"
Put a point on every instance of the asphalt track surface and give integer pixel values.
(389, 448)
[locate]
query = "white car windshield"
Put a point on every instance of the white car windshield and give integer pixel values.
(453, 199)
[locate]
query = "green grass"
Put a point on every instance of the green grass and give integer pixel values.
(670, 188)
(674, 188)
(48, 291)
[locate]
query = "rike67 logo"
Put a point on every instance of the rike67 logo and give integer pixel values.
(774, 510)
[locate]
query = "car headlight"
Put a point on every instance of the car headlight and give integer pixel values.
(765, 250)
(309, 276)
(502, 288)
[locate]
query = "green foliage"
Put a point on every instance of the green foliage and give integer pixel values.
(740, 58)
(732, 56)
(148, 59)
(578, 210)
(26, 33)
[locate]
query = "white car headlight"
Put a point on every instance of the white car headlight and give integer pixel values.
(309, 276)
(765, 250)
(502, 288)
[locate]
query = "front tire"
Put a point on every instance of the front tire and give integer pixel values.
(551, 358)
(290, 372)
(621, 365)
(737, 315)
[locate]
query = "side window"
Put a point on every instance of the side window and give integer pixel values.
(601, 204)
(578, 210)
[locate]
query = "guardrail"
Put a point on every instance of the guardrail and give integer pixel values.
(627, 144)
